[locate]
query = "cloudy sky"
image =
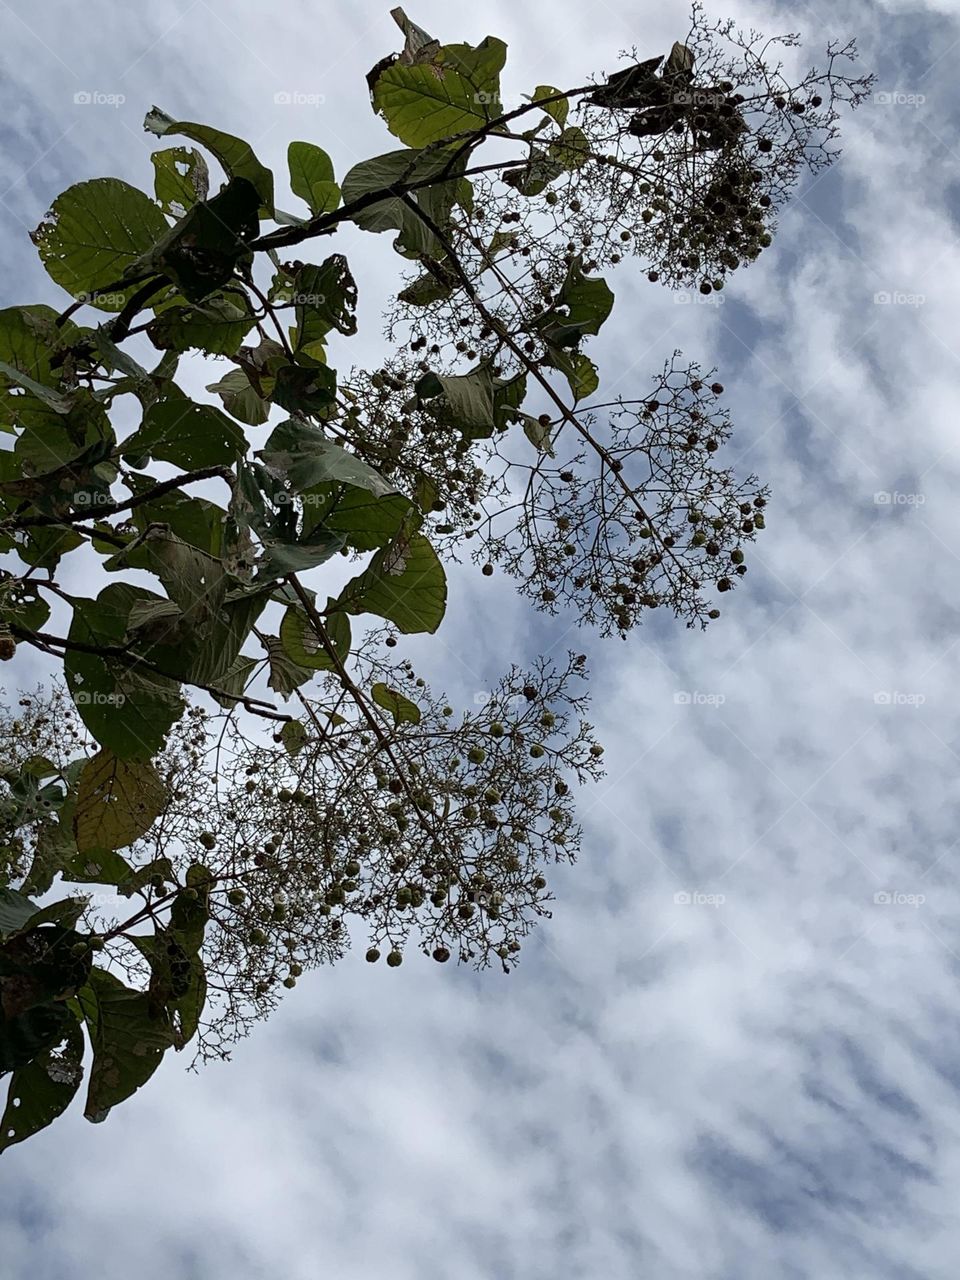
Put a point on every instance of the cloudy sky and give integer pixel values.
(735, 1050)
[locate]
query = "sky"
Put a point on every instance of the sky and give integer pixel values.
(734, 1052)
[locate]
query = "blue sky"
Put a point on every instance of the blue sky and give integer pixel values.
(761, 1080)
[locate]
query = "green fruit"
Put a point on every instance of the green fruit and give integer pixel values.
(548, 719)
(395, 959)
(235, 897)
(373, 955)
(536, 751)
(476, 755)
(208, 840)
(352, 868)
(79, 949)
(551, 197)
(289, 982)
(441, 955)
(496, 730)
(296, 970)
(257, 937)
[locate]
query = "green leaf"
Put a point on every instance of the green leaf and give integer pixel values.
(217, 326)
(44, 1088)
(539, 434)
(54, 400)
(129, 1039)
(240, 399)
(312, 178)
(235, 680)
(579, 370)
(294, 737)
(308, 391)
(391, 213)
(582, 305)
(301, 645)
(559, 110)
(469, 399)
(235, 155)
(94, 231)
(285, 674)
(209, 243)
(306, 457)
(326, 298)
(458, 91)
(126, 708)
(190, 435)
(402, 709)
(571, 149)
(15, 910)
(118, 801)
(404, 583)
(181, 178)
(191, 908)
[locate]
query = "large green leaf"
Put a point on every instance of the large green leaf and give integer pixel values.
(241, 399)
(392, 213)
(190, 435)
(94, 231)
(117, 802)
(43, 1088)
(404, 583)
(469, 399)
(457, 91)
(127, 708)
(581, 307)
(235, 155)
(300, 643)
(129, 1038)
(312, 177)
(209, 243)
(402, 709)
(181, 178)
(217, 326)
(305, 457)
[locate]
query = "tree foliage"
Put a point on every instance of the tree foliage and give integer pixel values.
(234, 755)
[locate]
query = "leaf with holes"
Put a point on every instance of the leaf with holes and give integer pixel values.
(118, 801)
(93, 233)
